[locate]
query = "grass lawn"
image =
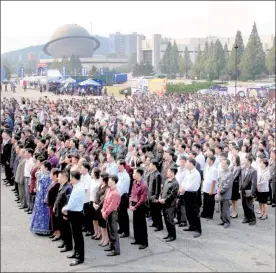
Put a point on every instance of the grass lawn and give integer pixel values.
(115, 91)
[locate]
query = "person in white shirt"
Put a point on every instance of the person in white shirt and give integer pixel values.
(95, 184)
(29, 164)
(209, 188)
(86, 180)
(123, 186)
(189, 188)
(180, 209)
(111, 166)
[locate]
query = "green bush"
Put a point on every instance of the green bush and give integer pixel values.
(187, 88)
(128, 91)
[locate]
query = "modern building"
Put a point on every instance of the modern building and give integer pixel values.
(152, 50)
(123, 44)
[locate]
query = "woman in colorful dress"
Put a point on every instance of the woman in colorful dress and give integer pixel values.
(41, 214)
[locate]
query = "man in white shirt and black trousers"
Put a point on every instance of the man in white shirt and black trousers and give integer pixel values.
(189, 188)
(74, 212)
(87, 180)
(123, 187)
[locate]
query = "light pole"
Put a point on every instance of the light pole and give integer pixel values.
(236, 68)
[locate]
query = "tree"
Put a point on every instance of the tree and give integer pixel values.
(56, 65)
(187, 62)
(270, 60)
(165, 64)
(74, 65)
(197, 67)
(204, 60)
(5, 64)
(174, 59)
(253, 59)
(210, 63)
(92, 71)
(219, 59)
(143, 69)
(232, 57)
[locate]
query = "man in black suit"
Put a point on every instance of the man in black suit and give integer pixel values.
(6, 155)
(62, 199)
(29, 141)
(248, 186)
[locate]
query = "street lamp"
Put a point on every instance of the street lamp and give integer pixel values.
(236, 68)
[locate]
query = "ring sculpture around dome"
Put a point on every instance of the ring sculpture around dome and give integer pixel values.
(66, 46)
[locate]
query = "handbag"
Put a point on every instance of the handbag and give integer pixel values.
(248, 193)
(218, 198)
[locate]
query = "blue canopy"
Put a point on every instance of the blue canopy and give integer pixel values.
(89, 82)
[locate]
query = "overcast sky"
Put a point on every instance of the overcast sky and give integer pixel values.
(26, 23)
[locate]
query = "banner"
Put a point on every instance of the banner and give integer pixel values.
(257, 92)
(143, 85)
(85, 71)
(21, 73)
(101, 71)
(158, 86)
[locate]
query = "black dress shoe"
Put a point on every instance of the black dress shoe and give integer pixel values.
(142, 247)
(66, 250)
(221, 224)
(152, 225)
(73, 256)
(134, 243)
(17, 199)
(108, 249)
(252, 223)
(124, 235)
(26, 210)
(61, 246)
(88, 234)
(189, 229)
(29, 212)
(245, 221)
(119, 231)
(167, 237)
(113, 253)
(182, 225)
(76, 262)
(158, 229)
(22, 207)
(196, 235)
(170, 239)
(56, 239)
(13, 190)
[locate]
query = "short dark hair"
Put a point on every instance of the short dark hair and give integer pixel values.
(122, 162)
(192, 161)
(65, 173)
(173, 169)
(97, 173)
(30, 151)
(140, 171)
(249, 158)
(53, 148)
(47, 165)
(114, 178)
(87, 166)
(212, 158)
(76, 175)
(265, 161)
(55, 171)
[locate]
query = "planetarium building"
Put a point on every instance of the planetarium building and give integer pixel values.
(70, 40)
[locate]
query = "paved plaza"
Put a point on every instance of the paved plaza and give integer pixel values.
(241, 248)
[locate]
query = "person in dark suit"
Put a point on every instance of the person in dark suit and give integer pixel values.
(248, 186)
(168, 199)
(29, 141)
(50, 200)
(6, 156)
(154, 183)
(64, 192)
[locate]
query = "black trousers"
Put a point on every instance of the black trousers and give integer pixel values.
(155, 211)
(66, 233)
(76, 220)
(88, 218)
(140, 225)
(169, 213)
(123, 218)
(112, 230)
(180, 210)
(248, 208)
(208, 205)
(192, 210)
(8, 173)
(199, 196)
(16, 187)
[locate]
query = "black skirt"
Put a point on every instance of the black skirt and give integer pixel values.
(262, 197)
(235, 192)
(101, 221)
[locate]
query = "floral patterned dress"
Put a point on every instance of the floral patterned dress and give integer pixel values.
(41, 216)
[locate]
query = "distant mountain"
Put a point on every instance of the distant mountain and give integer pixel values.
(23, 54)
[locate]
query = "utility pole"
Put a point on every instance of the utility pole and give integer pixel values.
(236, 68)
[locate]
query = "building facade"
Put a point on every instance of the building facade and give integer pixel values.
(152, 50)
(123, 44)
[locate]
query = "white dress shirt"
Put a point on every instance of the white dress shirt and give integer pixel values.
(210, 175)
(95, 184)
(123, 184)
(112, 169)
(180, 175)
(29, 163)
(201, 161)
(77, 198)
(192, 181)
(87, 181)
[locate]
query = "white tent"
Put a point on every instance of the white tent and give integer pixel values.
(89, 82)
(68, 81)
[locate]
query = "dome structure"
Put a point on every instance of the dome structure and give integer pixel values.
(69, 40)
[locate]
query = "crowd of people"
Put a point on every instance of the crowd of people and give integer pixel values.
(85, 165)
